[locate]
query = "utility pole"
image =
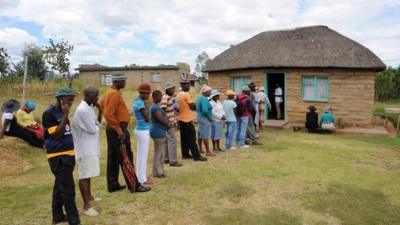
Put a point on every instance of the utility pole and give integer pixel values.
(24, 82)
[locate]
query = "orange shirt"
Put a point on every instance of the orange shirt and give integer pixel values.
(186, 114)
(114, 109)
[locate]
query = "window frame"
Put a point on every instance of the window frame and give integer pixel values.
(155, 80)
(242, 78)
(103, 79)
(315, 85)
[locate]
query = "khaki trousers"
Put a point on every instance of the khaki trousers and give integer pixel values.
(158, 158)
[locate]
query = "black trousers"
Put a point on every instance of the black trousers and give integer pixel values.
(28, 136)
(114, 157)
(62, 168)
(188, 140)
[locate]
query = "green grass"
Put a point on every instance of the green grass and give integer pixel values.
(294, 178)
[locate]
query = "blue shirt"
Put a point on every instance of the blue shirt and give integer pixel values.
(326, 117)
(203, 107)
(157, 129)
(229, 108)
(141, 124)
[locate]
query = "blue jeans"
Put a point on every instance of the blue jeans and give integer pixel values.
(229, 134)
(242, 128)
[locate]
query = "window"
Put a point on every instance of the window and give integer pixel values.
(105, 79)
(315, 88)
(238, 82)
(155, 77)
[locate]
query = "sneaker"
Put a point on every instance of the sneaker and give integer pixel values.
(232, 148)
(90, 212)
(244, 146)
(166, 161)
(161, 176)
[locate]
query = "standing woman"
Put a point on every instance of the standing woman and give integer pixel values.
(218, 115)
(204, 108)
(158, 129)
(142, 133)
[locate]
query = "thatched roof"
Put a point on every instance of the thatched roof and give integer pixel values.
(304, 47)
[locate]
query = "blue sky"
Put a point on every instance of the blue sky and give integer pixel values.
(124, 32)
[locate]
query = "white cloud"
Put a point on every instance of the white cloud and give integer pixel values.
(14, 40)
(100, 29)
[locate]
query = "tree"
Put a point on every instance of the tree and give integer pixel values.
(201, 62)
(387, 84)
(36, 63)
(4, 65)
(56, 55)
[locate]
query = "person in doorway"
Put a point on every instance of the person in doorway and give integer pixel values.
(167, 104)
(229, 106)
(278, 100)
(60, 154)
(312, 119)
(85, 133)
(204, 113)
(251, 129)
(218, 116)
(117, 116)
(158, 129)
(186, 127)
(142, 134)
(10, 126)
(27, 121)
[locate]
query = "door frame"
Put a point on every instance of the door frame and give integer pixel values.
(284, 91)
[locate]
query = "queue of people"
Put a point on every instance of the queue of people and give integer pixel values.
(66, 141)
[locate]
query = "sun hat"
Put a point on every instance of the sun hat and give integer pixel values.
(10, 106)
(262, 88)
(214, 93)
(30, 105)
(205, 88)
(144, 88)
(65, 91)
(168, 85)
(245, 88)
(312, 108)
(184, 81)
(230, 92)
(118, 76)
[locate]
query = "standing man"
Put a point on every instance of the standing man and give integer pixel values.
(251, 128)
(85, 132)
(167, 104)
(60, 153)
(278, 101)
(117, 116)
(187, 130)
(244, 111)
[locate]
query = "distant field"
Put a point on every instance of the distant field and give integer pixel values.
(294, 178)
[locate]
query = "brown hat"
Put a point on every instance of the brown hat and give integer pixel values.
(144, 88)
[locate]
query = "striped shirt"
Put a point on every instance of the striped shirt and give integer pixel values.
(167, 104)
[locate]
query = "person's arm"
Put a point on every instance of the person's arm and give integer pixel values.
(100, 115)
(50, 123)
(145, 114)
(113, 101)
(3, 128)
(160, 118)
(189, 101)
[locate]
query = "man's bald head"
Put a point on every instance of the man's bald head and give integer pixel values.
(91, 95)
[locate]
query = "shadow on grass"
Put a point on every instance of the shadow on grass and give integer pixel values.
(354, 205)
(240, 216)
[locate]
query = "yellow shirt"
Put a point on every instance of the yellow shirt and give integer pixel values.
(25, 119)
(186, 114)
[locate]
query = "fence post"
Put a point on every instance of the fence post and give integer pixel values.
(24, 82)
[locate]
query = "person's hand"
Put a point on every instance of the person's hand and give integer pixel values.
(65, 108)
(223, 118)
(122, 137)
(97, 105)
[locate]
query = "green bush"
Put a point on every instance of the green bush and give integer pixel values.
(387, 84)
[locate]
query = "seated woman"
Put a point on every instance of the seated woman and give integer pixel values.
(327, 121)
(312, 120)
(26, 120)
(10, 126)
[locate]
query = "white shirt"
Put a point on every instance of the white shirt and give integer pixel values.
(6, 116)
(217, 110)
(85, 131)
(278, 94)
(262, 98)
